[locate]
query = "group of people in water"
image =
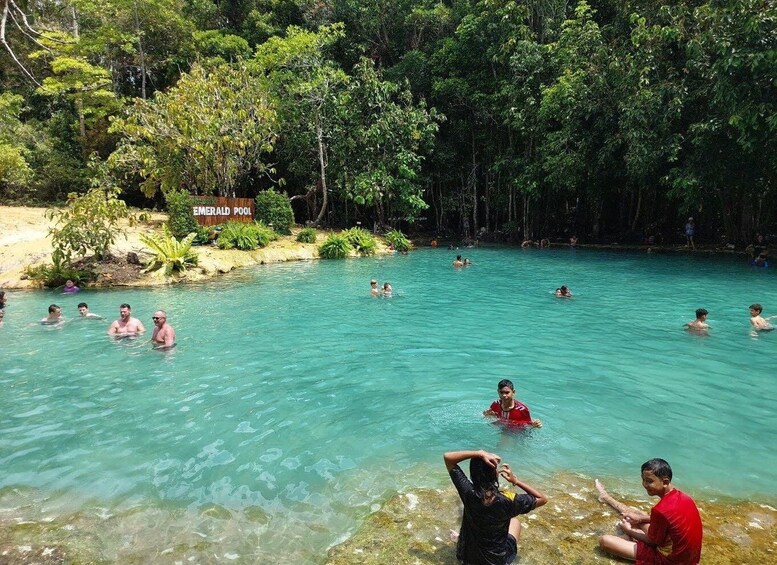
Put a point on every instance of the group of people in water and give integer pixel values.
(671, 534)
(125, 326)
(758, 322)
(384, 290)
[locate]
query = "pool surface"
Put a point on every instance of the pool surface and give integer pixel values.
(295, 402)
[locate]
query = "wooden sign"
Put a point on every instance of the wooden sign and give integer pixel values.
(214, 210)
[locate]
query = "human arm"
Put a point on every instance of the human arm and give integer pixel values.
(509, 476)
(634, 532)
(114, 328)
(169, 337)
(631, 514)
(141, 327)
(453, 458)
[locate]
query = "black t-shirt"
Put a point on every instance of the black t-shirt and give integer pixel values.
(483, 535)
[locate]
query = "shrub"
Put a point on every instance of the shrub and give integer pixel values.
(180, 215)
(236, 235)
(361, 240)
(57, 273)
(398, 240)
(274, 209)
(89, 223)
(169, 252)
(307, 235)
(336, 246)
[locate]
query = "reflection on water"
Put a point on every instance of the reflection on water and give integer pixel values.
(295, 402)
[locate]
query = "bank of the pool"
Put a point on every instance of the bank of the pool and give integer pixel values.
(414, 528)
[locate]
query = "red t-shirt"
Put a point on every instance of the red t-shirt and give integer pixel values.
(518, 414)
(676, 531)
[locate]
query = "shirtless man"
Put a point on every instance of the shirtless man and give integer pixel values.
(83, 310)
(700, 323)
(759, 323)
(458, 262)
(164, 334)
(126, 325)
(54, 317)
(374, 290)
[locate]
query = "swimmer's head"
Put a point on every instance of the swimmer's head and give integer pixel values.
(83, 308)
(53, 309)
(658, 467)
(125, 311)
(700, 312)
(505, 383)
(458, 257)
(373, 282)
(757, 308)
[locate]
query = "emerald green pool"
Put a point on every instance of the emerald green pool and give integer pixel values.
(295, 403)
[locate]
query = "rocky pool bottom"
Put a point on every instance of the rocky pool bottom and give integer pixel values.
(409, 528)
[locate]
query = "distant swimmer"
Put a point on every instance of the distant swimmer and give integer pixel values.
(126, 325)
(510, 410)
(2, 315)
(466, 262)
(70, 287)
(164, 334)
(387, 290)
(700, 323)
(759, 323)
(374, 290)
(458, 262)
(83, 311)
(563, 292)
(54, 317)
(573, 241)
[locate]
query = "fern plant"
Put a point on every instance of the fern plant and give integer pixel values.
(306, 235)
(172, 254)
(246, 237)
(336, 246)
(361, 240)
(398, 240)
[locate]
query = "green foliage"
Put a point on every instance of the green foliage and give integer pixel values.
(336, 246)
(180, 214)
(398, 240)
(307, 235)
(207, 133)
(237, 235)
(172, 254)
(88, 224)
(57, 273)
(361, 240)
(274, 209)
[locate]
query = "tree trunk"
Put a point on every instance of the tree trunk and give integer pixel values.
(322, 165)
(141, 53)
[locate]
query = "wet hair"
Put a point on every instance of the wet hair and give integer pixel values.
(83, 304)
(53, 308)
(564, 289)
(658, 467)
(757, 307)
(505, 383)
(125, 305)
(485, 480)
(701, 312)
(458, 257)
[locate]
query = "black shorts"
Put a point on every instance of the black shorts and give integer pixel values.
(511, 550)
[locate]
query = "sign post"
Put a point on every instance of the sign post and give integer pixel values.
(214, 210)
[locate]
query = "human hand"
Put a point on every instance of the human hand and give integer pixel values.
(627, 527)
(491, 458)
(536, 423)
(507, 473)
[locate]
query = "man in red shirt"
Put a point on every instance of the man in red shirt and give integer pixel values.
(508, 409)
(670, 535)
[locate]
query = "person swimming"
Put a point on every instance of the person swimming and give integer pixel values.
(563, 292)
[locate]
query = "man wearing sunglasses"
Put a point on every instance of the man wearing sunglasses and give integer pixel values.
(164, 334)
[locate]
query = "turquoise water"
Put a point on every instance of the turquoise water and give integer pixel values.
(295, 402)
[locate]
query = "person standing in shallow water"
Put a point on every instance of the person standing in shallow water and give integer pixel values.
(690, 229)
(164, 334)
(490, 528)
(510, 410)
(126, 325)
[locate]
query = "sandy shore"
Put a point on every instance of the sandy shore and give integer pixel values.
(25, 241)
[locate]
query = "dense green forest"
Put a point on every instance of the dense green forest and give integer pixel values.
(612, 120)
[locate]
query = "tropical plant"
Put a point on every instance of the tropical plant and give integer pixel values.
(398, 240)
(237, 235)
(55, 274)
(172, 254)
(274, 209)
(361, 240)
(89, 223)
(180, 213)
(336, 246)
(307, 235)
